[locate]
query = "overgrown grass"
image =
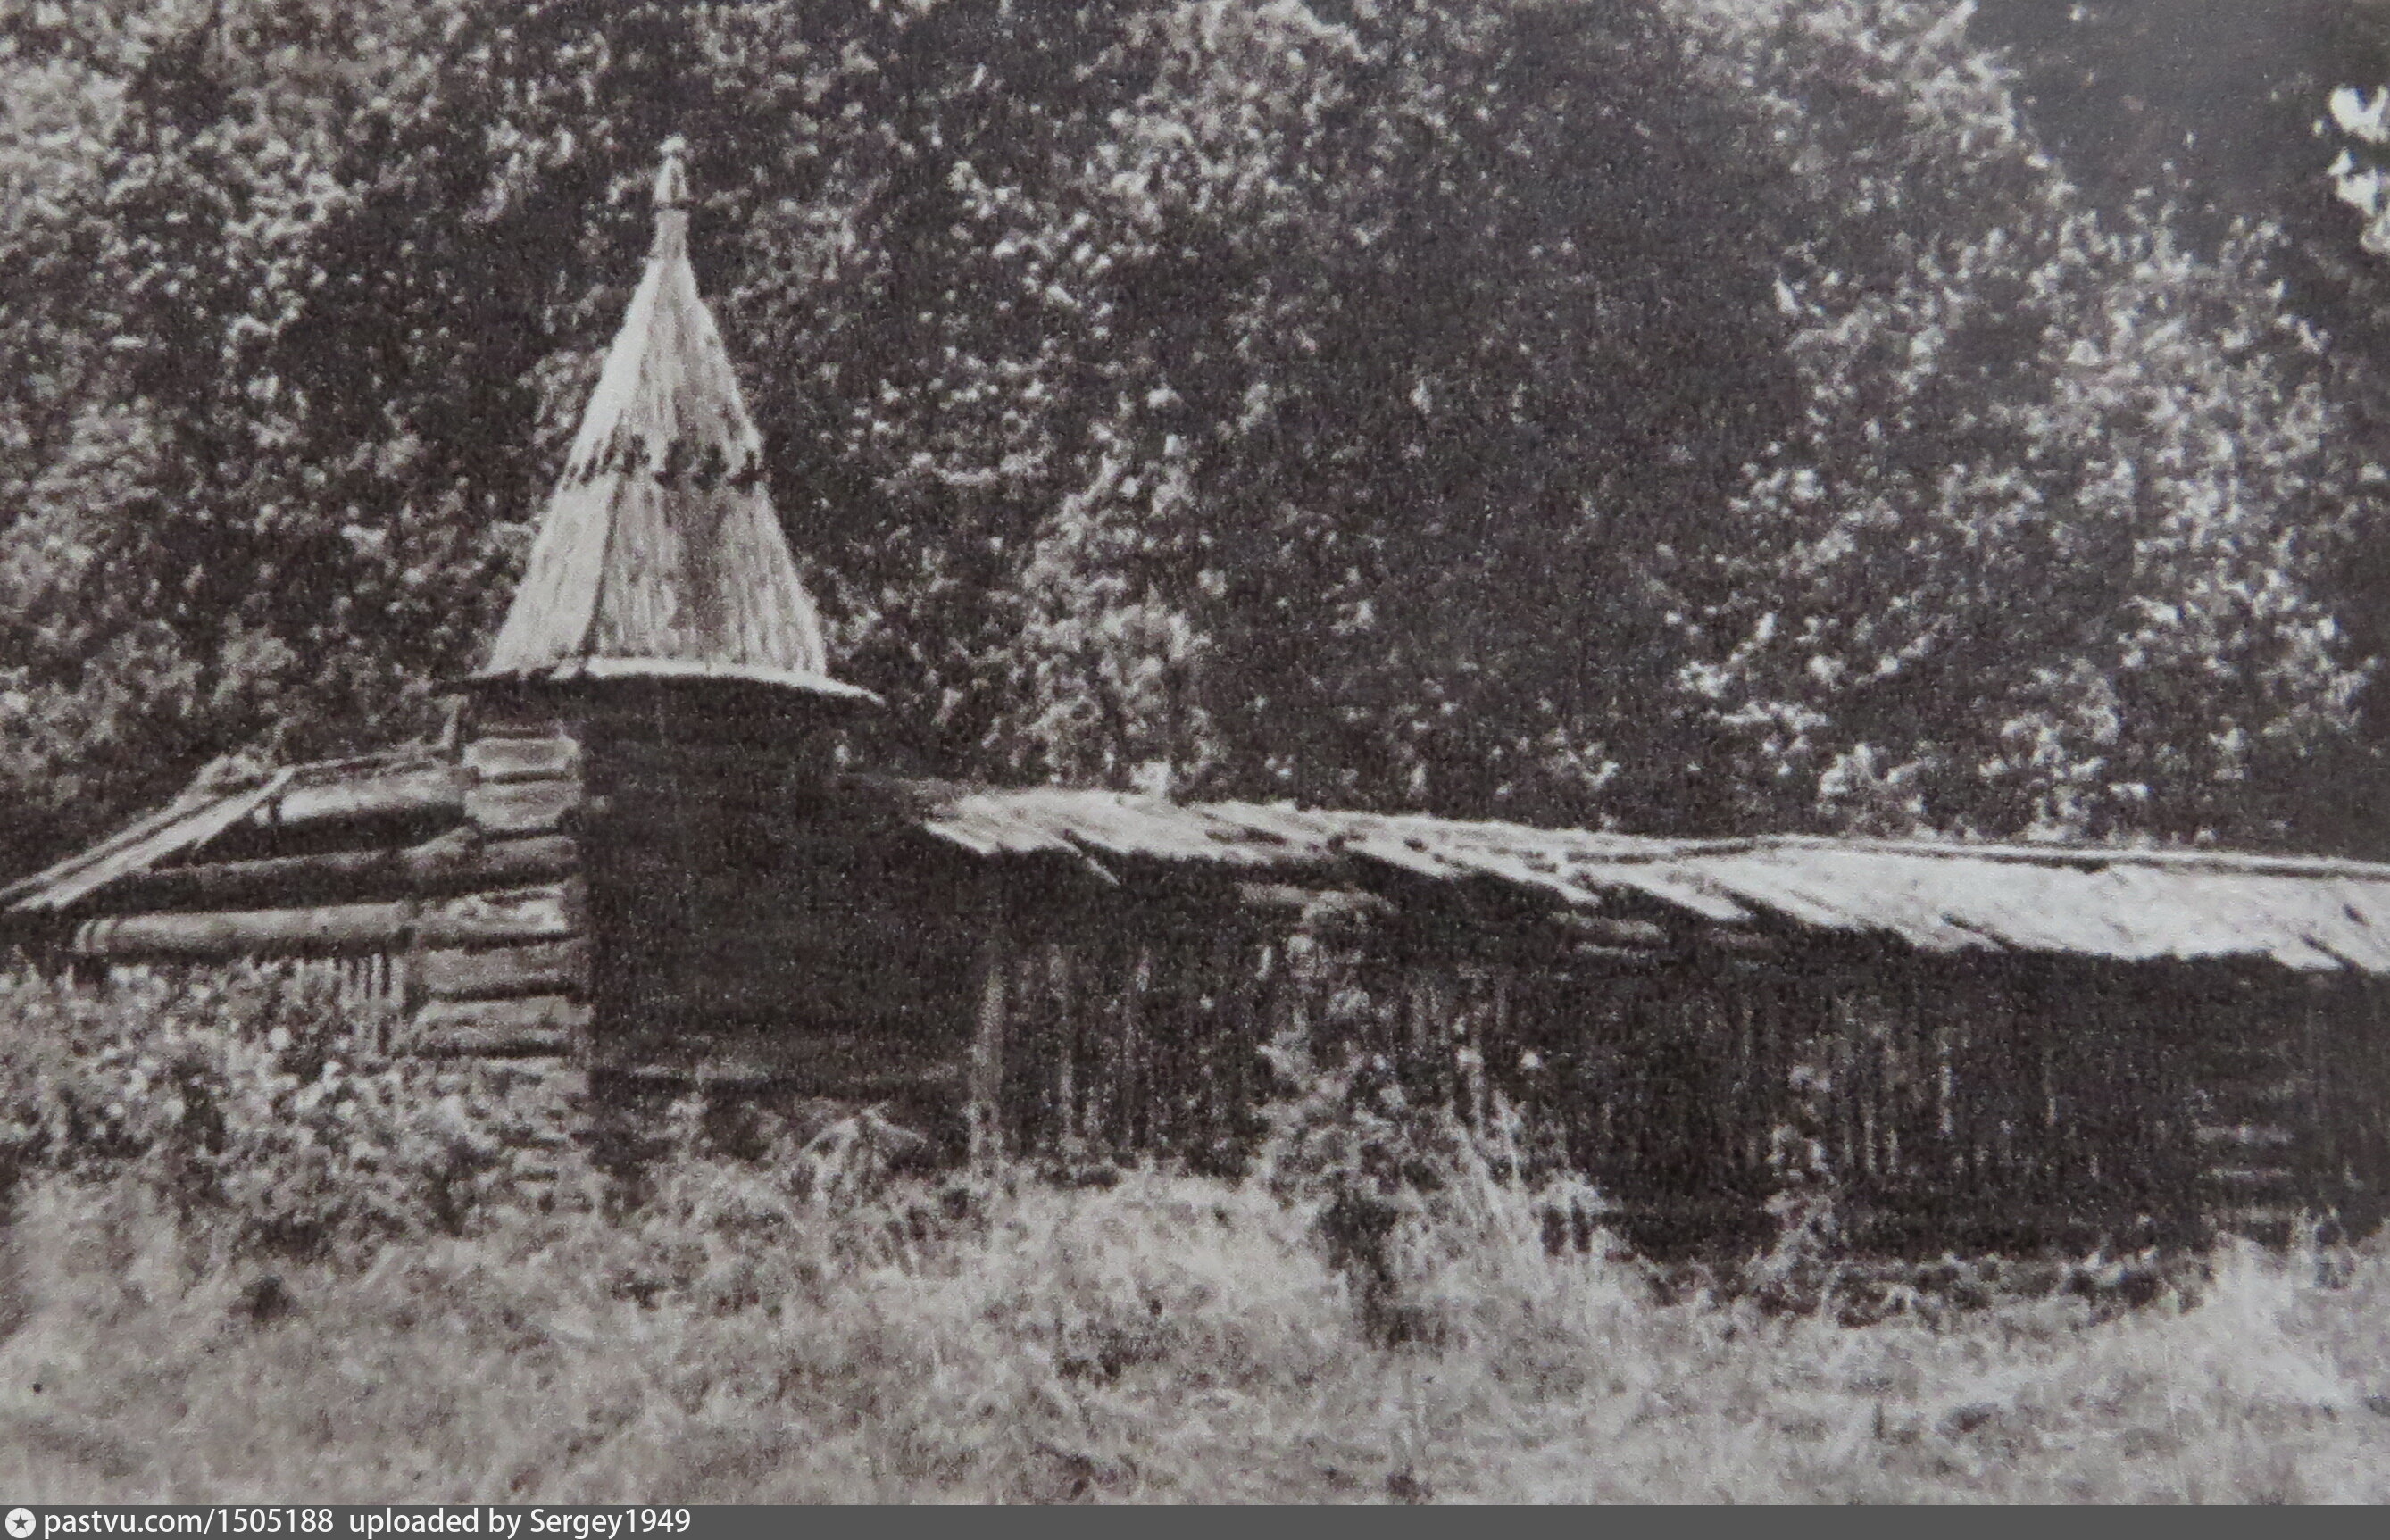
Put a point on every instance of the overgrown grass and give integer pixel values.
(249, 1258)
(1167, 1339)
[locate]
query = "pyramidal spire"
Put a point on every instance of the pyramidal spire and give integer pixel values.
(660, 555)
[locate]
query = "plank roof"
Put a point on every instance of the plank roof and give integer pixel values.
(2120, 904)
(1954, 899)
(660, 554)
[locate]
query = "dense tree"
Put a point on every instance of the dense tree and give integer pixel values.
(2045, 550)
(2220, 109)
(1669, 412)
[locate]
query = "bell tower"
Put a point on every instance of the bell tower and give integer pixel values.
(660, 692)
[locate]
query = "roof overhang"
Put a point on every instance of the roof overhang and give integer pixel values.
(674, 670)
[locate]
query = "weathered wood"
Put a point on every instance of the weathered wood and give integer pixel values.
(1736, 940)
(548, 912)
(2243, 1136)
(492, 863)
(523, 806)
(215, 935)
(824, 1062)
(1609, 930)
(443, 866)
(632, 763)
(522, 759)
(490, 973)
(437, 791)
(541, 1024)
(1600, 955)
(984, 1112)
(2250, 1176)
(1068, 1043)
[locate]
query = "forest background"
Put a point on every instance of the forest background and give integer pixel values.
(1667, 415)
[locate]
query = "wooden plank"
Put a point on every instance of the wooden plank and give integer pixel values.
(522, 807)
(1607, 931)
(2244, 1135)
(1738, 940)
(492, 973)
(985, 1112)
(437, 791)
(549, 912)
(152, 840)
(214, 935)
(543, 1024)
(2245, 1176)
(1063, 981)
(494, 759)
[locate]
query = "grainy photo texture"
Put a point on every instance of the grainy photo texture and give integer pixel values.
(1169, 751)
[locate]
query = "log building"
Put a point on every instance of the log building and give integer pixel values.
(635, 857)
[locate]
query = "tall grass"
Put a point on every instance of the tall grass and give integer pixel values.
(732, 1332)
(1167, 1339)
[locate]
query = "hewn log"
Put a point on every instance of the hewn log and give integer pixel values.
(1616, 956)
(493, 864)
(443, 866)
(634, 763)
(522, 807)
(496, 760)
(492, 973)
(824, 1062)
(437, 791)
(543, 1024)
(289, 878)
(2264, 1218)
(214, 935)
(549, 912)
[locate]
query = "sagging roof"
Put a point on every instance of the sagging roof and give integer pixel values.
(660, 554)
(2130, 905)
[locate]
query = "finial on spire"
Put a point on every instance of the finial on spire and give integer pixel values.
(672, 199)
(671, 175)
(660, 556)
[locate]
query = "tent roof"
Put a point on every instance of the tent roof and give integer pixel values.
(659, 553)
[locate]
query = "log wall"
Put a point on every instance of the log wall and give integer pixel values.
(450, 897)
(596, 891)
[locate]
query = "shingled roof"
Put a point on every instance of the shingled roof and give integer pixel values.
(660, 555)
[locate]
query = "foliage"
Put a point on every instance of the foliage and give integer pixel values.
(2046, 551)
(250, 1100)
(1470, 407)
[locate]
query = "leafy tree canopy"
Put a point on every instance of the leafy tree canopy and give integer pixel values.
(1665, 414)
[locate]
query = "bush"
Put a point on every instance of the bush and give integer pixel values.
(250, 1096)
(1404, 1188)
